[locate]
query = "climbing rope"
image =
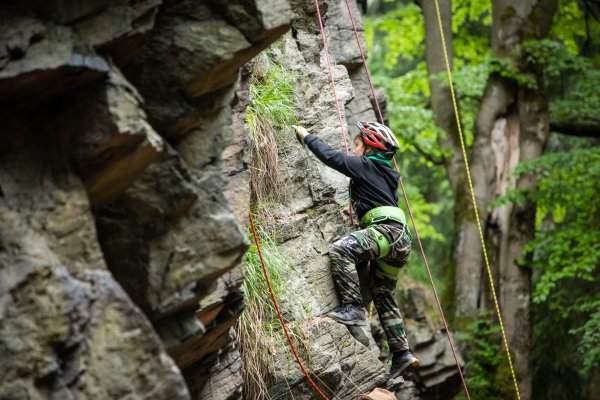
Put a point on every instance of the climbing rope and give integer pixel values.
(474, 202)
(330, 70)
(287, 335)
(439, 305)
(362, 54)
(337, 103)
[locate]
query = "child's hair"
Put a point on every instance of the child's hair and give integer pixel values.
(368, 149)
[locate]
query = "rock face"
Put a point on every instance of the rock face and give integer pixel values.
(124, 191)
(313, 214)
(66, 326)
(438, 376)
(119, 253)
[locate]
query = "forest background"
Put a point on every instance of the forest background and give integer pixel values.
(526, 75)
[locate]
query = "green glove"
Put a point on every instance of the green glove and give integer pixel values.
(301, 133)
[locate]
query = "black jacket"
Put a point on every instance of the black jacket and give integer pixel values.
(373, 183)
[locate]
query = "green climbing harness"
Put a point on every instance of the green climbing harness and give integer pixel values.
(381, 214)
(378, 215)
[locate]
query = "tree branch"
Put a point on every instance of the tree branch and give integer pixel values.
(575, 129)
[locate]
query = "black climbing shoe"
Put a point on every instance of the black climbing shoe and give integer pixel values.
(349, 314)
(403, 363)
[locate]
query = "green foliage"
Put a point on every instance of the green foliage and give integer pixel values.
(272, 92)
(259, 328)
(569, 244)
(423, 212)
(412, 121)
(566, 246)
(487, 372)
(568, 25)
(255, 286)
(581, 101)
(271, 109)
(565, 249)
(590, 335)
(397, 62)
(396, 59)
(395, 36)
(570, 60)
(470, 81)
(471, 22)
(506, 68)
(554, 56)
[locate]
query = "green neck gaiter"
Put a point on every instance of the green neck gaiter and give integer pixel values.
(380, 157)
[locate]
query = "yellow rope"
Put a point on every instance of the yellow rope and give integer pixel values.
(464, 154)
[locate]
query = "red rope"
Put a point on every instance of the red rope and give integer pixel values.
(362, 53)
(287, 335)
(437, 299)
(329, 68)
(337, 103)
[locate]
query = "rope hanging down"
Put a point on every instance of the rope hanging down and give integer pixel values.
(337, 103)
(439, 305)
(287, 335)
(474, 202)
(405, 198)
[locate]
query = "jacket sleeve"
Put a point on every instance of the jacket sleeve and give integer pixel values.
(350, 166)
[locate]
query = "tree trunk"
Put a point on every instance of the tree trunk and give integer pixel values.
(521, 137)
(511, 126)
(441, 104)
(467, 257)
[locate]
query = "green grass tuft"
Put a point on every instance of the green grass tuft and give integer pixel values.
(271, 110)
(259, 328)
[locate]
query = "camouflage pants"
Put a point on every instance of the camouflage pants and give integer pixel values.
(358, 249)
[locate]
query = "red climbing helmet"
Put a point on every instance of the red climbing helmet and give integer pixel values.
(378, 135)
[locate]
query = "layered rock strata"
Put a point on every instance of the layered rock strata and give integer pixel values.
(120, 255)
(124, 194)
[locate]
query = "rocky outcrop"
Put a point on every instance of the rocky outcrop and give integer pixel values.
(438, 376)
(114, 225)
(312, 215)
(315, 213)
(124, 192)
(66, 326)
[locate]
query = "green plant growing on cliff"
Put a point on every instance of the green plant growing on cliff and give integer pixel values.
(487, 373)
(256, 324)
(258, 328)
(271, 109)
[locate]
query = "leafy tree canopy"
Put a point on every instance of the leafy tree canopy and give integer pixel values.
(566, 245)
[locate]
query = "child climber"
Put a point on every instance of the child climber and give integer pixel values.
(383, 238)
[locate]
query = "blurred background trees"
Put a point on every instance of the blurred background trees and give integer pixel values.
(526, 75)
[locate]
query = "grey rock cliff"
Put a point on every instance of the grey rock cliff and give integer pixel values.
(124, 194)
(114, 226)
(315, 213)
